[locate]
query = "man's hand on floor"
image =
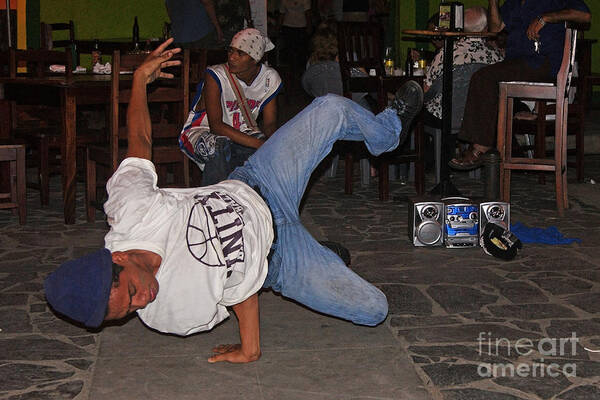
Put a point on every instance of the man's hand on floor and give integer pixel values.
(232, 353)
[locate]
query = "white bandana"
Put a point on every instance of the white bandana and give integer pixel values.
(252, 42)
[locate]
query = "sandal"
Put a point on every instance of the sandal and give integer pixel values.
(470, 159)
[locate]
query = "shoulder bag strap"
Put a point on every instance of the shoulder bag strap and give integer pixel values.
(242, 103)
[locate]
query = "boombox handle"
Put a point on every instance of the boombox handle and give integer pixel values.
(456, 198)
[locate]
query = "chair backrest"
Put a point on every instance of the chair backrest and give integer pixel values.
(164, 91)
(565, 73)
(38, 62)
(47, 33)
(359, 46)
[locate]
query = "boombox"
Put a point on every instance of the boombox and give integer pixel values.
(461, 225)
(453, 222)
(426, 223)
(494, 211)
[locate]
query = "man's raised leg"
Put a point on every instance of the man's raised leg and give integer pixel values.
(301, 268)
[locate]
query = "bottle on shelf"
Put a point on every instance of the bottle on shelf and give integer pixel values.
(388, 62)
(96, 53)
(136, 34)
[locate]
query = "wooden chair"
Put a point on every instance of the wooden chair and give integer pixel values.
(12, 157)
(165, 131)
(360, 46)
(47, 34)
(41, 132)
(556, 92)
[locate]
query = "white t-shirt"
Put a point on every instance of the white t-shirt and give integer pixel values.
(213, 242)
(294, 12)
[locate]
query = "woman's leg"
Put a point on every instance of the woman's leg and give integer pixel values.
(300, 267)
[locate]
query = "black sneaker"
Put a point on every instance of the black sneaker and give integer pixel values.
(338, 249)
(407, 103)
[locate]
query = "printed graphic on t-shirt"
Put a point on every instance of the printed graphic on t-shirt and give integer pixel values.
(204, 239)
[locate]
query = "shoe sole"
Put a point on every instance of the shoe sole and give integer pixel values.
(469, 167)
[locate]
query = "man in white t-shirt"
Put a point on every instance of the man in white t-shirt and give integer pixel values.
(180, 257)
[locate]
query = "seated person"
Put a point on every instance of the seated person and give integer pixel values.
(470, 54)
(323, 75)
(180, 257)
(527, 23)
(218, 134)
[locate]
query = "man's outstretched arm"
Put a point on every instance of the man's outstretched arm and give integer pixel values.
(139, 126)
(249, 349)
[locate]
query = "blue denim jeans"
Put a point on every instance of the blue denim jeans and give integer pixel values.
(228, 155)
(300, 268)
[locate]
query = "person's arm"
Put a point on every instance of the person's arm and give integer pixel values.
(249, 348)
(269, 113)
(567, 15)
(214, 113)
(495, 23)
(209, 5)
(139, 126)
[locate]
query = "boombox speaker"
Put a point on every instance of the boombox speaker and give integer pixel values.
(426, 223)
(497, 212)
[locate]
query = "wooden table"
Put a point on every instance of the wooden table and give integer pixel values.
(446, 187)
(81, 89)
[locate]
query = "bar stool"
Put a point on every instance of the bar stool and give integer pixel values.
(556, 92)
(15, 156)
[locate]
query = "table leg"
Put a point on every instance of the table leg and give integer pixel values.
(446, 187)
(69, 154)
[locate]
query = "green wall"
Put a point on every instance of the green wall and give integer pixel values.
(108, 18)
(114, 19)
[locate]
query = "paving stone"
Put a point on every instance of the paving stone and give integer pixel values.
(590, 275)
(20, 376)
(582, 327)
(84, 340)
(478, 353)
(477, 394)
(586, 392)
(583, 368)
(27, 287)
(589, 302)
(65, 391)
(521, 292)
(531, 311)
(455, 299)
(401, 322)
(14, 321)
(404, 299)
(80, 363)
(37, 308)
(545, 387)
(445, 374)
(13, 299)
(36, 347)
(527, 325)
(563, 286)
(464, 333)
(60, 326)
(449, 275)
(559, 263)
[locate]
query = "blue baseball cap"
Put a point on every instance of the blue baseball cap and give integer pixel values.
(80, 288)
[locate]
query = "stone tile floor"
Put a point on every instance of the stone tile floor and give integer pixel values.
(441, 300)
